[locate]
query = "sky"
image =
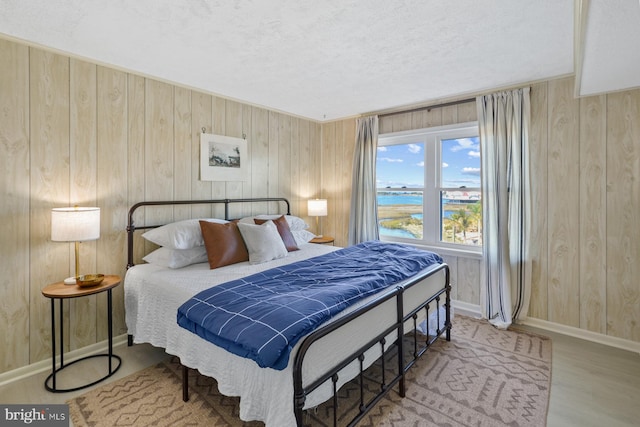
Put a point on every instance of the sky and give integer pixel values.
(403, 165)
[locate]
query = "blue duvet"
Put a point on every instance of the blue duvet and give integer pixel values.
(263, 316)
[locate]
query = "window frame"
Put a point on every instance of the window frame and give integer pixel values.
(431, 138)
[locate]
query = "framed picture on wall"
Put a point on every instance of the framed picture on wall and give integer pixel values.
(223, 158)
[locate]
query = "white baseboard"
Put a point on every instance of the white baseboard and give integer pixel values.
(582, 334)
(45, 365)
(473, 310)
(466, 309)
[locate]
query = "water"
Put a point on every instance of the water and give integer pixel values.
(395, 199)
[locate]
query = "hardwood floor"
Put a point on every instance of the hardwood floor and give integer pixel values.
(592, 384)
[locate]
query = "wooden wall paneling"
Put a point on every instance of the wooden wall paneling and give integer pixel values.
(538, 159)
(467, 112)
(400, 122)
(385, 124)
(259, 148)
(563, 204)
(593, 210)
(49, 155)
(452, 262)
(426, 118)
(83, 166)
(346, 177)
(112, 133)
(294, 162)
(274, 156)
(135, 155)
(305, 166)
(623, 206)
(284, 156)
(468, 274)
(449, 115)
(14, 210)
(182, 151)
(329, 132)
(315, 158)
(247, 130)
(159, 146)
(201, 117)
(219, 188)
(233, 128)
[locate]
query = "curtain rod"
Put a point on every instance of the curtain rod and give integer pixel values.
(429, 107)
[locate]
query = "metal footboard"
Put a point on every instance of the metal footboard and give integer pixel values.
(301, 391)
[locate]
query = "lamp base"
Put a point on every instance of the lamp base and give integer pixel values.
(70, 281)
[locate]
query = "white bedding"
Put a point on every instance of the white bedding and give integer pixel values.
(153, 295)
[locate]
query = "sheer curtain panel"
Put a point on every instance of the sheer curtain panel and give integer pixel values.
(363, 217)
(503, 120)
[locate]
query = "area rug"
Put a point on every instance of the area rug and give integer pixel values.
(482, 377)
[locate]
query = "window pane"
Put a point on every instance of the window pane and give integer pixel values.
(400, 166)
(400, 214)
(460, 163)
(461, 214)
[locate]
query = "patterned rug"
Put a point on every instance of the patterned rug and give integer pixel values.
(483, 377)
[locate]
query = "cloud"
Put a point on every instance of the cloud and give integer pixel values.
(390, 160)
(414, 148)
(421, 164)
(471, 171)
(382, 149)
(465, 144)
(474, 154)
(445, 165)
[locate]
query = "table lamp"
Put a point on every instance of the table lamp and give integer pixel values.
(317, 208)
(75, 225)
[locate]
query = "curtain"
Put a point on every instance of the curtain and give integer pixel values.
(503, 120)
(363, 217)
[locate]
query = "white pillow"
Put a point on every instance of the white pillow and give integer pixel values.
(177, 258)
(263, 242)
(185, 234)
(302, 236)
(295, 223)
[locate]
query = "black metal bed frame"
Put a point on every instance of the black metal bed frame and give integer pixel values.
(398, 293)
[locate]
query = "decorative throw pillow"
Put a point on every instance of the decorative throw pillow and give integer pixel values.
(284, 231)
(263, 242)
(177, 258)
(224, 244)
(185, 234)
(295, 223)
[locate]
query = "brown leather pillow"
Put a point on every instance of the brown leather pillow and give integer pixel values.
(224, 244)
(283, 230)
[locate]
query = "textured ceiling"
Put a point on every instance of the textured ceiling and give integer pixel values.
(317, 59)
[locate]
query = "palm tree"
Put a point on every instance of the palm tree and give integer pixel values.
(476, 213)
(462, 218)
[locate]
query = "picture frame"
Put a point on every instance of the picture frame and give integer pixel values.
(223, 158)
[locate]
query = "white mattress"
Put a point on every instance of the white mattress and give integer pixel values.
(153, 295)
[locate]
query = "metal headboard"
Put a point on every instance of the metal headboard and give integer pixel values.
(131, 228)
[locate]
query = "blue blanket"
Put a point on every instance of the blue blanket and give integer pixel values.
(263, 316)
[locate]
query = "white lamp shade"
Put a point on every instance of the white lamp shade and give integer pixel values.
(75, 224)
(317, 207)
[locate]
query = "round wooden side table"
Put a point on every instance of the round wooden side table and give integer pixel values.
(59, 291)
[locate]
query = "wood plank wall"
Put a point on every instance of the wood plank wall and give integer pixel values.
(72, 132)
(585, 163)
(586, 187)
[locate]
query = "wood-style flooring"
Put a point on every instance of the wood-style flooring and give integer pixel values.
(592, 384)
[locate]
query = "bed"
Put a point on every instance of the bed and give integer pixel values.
(338, 351)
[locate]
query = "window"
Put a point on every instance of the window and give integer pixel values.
(428, 187)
